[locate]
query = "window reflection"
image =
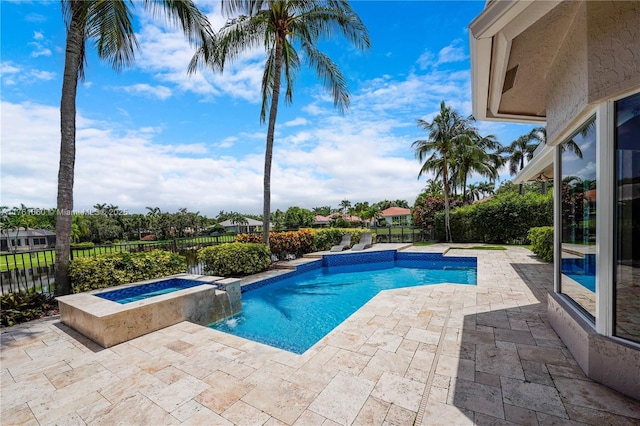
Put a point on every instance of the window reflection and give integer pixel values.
(627, 278)
(578, 192)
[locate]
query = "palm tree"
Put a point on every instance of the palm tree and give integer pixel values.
(518, 153)
(433, 188)
(486, 188)
(345, 204)
(447, 131)
(475, 158)
(474, 192)
(108, 24)
(280, 25)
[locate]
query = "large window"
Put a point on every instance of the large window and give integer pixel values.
(578, 192)
(627, 214)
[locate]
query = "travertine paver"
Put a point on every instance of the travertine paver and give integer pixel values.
(444, 354)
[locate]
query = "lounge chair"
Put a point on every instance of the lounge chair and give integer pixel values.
(365, 242)
(344, 244)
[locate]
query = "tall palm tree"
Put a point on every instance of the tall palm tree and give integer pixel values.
(108, 24)
(519, 152)
(281, 26)
(475, 158)
(345, 204)
(447, 131)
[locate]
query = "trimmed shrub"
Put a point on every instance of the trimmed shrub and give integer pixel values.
(503, 219)
(324, 238)
(248, 238)
(235, 259)
(294, 243)
(88, 244)
(22, 307)
(108, 270)
(542, 242)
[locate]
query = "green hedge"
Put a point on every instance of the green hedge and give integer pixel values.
(542, 242)
(504, 219)
(108, 270)
(234, 259)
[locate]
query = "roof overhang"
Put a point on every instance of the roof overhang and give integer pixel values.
(540, 168)
(511, 52)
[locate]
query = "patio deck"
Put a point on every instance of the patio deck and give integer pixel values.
(442, 354)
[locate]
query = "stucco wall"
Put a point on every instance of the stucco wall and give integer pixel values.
(613, 47)
(598, 59)
(567, 81)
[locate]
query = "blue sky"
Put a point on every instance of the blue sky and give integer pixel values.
(154, 136)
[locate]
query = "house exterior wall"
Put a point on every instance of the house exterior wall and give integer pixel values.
(598, 59)
(613, 47)
(567, 79)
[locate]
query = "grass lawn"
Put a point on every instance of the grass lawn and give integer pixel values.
(482, 247)
(10, 261)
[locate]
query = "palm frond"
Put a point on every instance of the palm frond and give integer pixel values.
(109, 23)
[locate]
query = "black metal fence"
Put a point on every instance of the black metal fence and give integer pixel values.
(399, 234)
(35, 270)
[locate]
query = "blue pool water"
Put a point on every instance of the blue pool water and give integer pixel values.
(581, 270)
(295, 312)
(144, 291)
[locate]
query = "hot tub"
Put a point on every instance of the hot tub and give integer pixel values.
(118, 314)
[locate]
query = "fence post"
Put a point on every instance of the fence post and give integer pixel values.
(175, 246)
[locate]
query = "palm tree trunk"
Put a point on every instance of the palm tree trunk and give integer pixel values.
(73, 56)
(268, 155)
(445, 178)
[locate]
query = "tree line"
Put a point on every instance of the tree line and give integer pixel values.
(107, 223)
(455, 150)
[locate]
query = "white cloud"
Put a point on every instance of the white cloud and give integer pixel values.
(38, 35)
(454, 52)
(39, 50)
(42, 75)
(7, 67)
(298, 121)
(143, 89)
(166, 53)
(227, 142)
(133, 171)
(13, 74)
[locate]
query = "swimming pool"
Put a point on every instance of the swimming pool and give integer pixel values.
(145, 291)
(295, 312)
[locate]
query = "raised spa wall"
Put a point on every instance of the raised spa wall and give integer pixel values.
(109, 323)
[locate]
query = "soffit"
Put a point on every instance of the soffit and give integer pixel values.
(533, 52)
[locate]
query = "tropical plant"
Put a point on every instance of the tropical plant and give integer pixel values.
(448, 131)
(107, 23)
(519, 152)
(280, 25)
(434, 188)
(475, 157)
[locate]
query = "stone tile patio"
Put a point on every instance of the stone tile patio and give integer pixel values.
(443, 354)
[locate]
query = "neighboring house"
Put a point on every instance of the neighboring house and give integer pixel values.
(396, 216)
(249, 226)
(25, 240)
(575, 66)
(324, 221)
(321, 221)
